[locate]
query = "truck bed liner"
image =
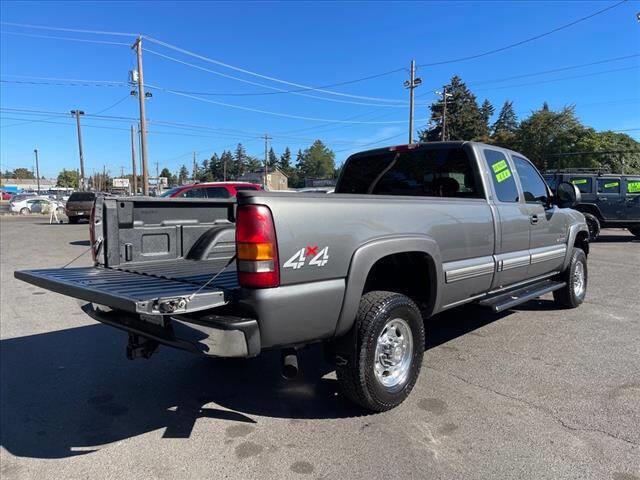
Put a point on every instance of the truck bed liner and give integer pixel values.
(141, 288)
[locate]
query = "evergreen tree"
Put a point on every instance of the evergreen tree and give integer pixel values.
(486, 110)
(228, 166)
(240, 158)
(317, 161)
(165, 172)
(464, 118)
(284, 163)
(272, 159)
(183, 175)
(507, 120)
(254, 164)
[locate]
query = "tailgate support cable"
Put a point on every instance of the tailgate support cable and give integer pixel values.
(95, 245)
(206, 284)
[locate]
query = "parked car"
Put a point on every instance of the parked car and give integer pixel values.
(609, 200)
(412, 230)
(79, 206)
(32, 204)
(6, 195)
(210, 190)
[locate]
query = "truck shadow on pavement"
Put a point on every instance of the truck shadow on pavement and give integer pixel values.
(67, 392)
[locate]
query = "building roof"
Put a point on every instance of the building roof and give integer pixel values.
(27, 181)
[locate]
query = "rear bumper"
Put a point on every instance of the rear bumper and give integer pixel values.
(209, 335)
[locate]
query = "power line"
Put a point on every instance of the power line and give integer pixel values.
(267, 112)
(259, 75)
(63, 29)
(54, 37)
(278, 90)
(114, 105)
(522, 42)
(559, 79)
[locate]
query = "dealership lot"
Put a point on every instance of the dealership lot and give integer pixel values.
(535, 392)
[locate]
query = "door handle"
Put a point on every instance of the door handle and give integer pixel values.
(603, 199)
(534, 219)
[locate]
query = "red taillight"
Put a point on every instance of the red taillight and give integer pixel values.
(403, 148)
(92, 231)
(256, 247)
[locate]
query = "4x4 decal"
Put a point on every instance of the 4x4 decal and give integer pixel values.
(299, 259)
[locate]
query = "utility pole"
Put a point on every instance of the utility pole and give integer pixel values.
(266, 137)
(158, 185)
(77, 113)
(104, 178)
(195, 167)
(411, 84)
(443, 134)
(143, 119)
(121, 171)
(37, 170)
(133, 161)
(224, 168)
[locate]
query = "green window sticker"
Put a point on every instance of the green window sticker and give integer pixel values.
(501, 170)
(611, 185)
(503, 175)
(499, 166)
(633, 187)
(579, 181)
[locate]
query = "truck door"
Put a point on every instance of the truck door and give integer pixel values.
(548, 227)
(610, 198)
(512, 237)
(632, 199)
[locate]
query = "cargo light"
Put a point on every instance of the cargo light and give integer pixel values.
(256, 247)
(403, 148)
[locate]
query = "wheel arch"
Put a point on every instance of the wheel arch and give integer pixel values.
(414, 252)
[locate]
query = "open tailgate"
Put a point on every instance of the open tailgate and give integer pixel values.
(154, 288)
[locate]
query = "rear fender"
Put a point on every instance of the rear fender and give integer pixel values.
(367, 255)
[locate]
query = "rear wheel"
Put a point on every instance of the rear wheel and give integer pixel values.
(593, 224)
(380, 372)
(635, 231)
(575, 277)
(25, 211)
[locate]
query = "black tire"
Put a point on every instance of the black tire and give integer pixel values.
(593, 224)
(356, 370)
(73, 219)
(25, 211)
(635, 231)
(572, 295)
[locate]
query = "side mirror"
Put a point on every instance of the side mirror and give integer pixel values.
(567, 195)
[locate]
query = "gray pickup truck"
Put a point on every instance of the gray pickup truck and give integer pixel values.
(411, 230)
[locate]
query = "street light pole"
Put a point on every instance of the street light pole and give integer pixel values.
(37, 170)
(77, 113)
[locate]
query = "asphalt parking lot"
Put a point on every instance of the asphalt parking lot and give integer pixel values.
(535, 392)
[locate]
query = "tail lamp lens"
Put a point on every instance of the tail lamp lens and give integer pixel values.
(256, 247)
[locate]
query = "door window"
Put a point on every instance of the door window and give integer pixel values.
(533, 187)
(500, 171)
(633, 185)
(609, 185)
(584, 184)
(194, 193)
(217, 192)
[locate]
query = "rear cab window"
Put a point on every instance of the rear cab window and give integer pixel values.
(424, 172)
(608, 186)
(584, 184)
(501, 176)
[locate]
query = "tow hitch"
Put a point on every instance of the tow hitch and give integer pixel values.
(140, 347)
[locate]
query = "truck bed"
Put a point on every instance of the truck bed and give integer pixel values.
(142, 288)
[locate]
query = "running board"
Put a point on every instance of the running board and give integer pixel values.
(521, 295)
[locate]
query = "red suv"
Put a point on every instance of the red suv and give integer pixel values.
(210, 190)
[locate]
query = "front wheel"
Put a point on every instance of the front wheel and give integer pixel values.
(389, 345)
(593, 224)
(25, 211)
(575, 277)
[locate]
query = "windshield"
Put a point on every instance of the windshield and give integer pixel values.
(170, 192)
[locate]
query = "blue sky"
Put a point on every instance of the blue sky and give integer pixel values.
(312, 44)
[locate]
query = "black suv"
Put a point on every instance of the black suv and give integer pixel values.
(608, 199)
